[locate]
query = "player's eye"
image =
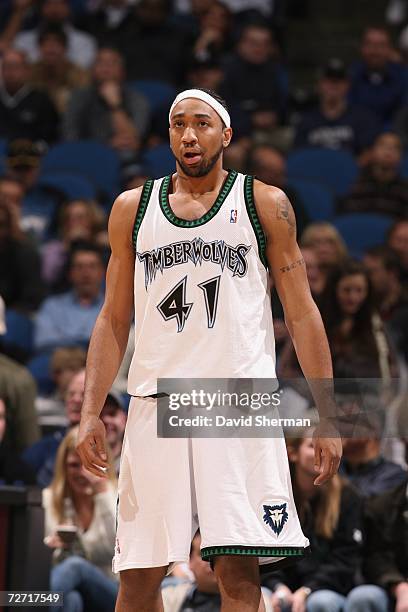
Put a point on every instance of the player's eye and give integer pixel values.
(178, 124)
(203, 123)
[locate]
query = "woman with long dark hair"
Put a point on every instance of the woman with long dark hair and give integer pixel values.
(358, 343)
(20, 281)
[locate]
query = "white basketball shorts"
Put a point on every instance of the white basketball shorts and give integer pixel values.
(237, 490)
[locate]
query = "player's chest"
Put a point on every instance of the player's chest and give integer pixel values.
(189, 208)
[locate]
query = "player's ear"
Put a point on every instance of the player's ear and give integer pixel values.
(226, 137)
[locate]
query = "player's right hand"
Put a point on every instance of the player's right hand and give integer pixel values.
(91, 446)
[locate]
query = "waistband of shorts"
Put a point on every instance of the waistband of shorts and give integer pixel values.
(153, 396)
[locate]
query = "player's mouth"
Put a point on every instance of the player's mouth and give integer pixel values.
(192, 157)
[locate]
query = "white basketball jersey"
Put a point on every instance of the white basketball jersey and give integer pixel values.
(202, 294)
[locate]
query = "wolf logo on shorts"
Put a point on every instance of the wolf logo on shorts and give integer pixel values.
(275, 517)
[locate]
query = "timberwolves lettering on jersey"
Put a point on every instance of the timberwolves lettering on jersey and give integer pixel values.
(202, 296)
(197, 251)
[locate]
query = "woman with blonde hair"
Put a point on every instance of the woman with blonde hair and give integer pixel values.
(331, 518)
(326, 242)
(80, 527)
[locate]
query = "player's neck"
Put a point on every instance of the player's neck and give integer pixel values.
(196, 186)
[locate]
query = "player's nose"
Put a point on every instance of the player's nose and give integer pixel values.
(189, 136)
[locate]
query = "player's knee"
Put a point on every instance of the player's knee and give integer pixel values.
(245, 592)
(142, 585)
(238, 578)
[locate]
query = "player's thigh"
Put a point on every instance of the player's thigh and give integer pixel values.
(139, 582)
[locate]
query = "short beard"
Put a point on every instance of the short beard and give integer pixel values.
(203, 168)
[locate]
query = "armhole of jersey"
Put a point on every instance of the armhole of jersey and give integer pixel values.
(144, 200)
(254, 219)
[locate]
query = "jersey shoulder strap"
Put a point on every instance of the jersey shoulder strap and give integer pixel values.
(141, 211)
(254, 219)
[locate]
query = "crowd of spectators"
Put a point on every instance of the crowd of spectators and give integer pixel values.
(73, 70)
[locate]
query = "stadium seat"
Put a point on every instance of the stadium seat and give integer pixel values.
(316, 197)
(93, 160)
(78, 7)
(3, 147)
(160, 161)
(335, 169)
(404, 166)
(361, 231)
(39, 367)
(72, 186)
(19, 332)
(158, 93)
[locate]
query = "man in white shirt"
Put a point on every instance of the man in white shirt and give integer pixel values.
(81, 46)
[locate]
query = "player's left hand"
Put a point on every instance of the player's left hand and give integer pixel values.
(328, 450)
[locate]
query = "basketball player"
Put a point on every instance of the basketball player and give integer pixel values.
(193, 253)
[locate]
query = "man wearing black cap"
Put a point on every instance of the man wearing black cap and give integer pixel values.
(23, 164)
(336, 124)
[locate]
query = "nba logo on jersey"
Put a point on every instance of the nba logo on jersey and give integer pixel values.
(233, 216)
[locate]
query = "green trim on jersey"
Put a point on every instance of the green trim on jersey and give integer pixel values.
(116, 512)
(210, 214)
(144, 200)
(253, 551)
(254, 219)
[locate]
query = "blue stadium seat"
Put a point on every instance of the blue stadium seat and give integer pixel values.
(78, 7)
(336, 169)
(72, 186)
(3, 148)
(160, 161)
(316, 197)
(39, 367)
(99, 163)
(404, 166)
(19, 331)
(361, 231)
(158, 93)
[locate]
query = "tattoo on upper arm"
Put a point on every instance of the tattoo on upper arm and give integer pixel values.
(294, 264)
(284, 212)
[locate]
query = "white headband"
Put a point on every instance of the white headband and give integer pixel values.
(205, 97)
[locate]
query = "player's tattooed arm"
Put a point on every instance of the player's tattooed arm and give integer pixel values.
(293, 265)
(278, 222)
(284, 212)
